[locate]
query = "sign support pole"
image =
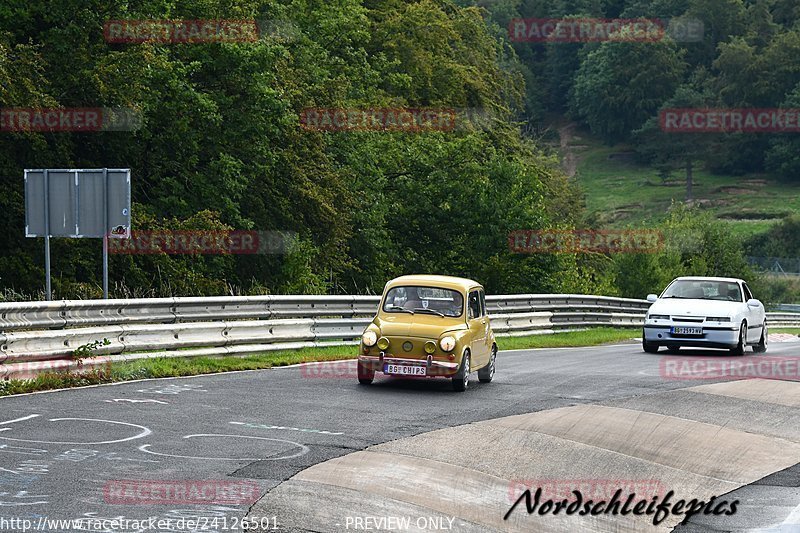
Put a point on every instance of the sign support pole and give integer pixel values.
(105, 235)
(48, 287)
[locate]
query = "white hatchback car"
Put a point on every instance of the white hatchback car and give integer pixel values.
(705, 313)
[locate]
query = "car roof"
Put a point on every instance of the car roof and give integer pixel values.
(448, 282)
(703, 278)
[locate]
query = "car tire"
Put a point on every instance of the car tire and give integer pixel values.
(648, 347)
(761, 347)
(365, 376)
(461, 379)
(486, 373)
(739, 348)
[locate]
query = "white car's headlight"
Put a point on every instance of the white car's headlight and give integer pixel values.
(369, 338)
(658, 317)
(718, 319)
(447, 343)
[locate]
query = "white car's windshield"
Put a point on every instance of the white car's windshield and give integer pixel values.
(727, 291)
(432, 300)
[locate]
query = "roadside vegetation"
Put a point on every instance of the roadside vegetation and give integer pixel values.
(623, 192)
(588, 337)
(193, 366)
(791, 331)
(221, 145)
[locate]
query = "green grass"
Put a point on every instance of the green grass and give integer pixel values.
(590, 337)
(192, 366)
(793, 331)
(622, 193)
(163, 367)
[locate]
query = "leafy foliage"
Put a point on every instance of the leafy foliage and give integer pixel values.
(221, 148)
(221, 145)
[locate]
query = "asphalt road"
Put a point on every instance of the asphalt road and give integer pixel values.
(74, 454)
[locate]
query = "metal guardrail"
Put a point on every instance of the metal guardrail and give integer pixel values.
(43, 336)
(73, 313)
(786, 308)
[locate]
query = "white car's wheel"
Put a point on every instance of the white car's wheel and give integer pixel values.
(739, 348)
(761, 347)
(648, 347)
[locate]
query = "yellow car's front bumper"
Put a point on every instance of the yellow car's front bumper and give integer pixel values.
(432, 367)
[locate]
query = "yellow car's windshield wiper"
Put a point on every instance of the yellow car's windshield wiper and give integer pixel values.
(398, 308)
(424, 310)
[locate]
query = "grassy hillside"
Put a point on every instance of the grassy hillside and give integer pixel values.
(621, 193)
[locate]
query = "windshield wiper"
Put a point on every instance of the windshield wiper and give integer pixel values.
(403, 309)
(424, 310)
(681, 297)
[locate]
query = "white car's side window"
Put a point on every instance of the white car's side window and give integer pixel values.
(747, 294)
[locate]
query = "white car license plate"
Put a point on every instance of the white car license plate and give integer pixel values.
(687, 331)
(405, 370)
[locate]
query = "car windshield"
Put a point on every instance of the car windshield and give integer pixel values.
(428, 300)
(726, 291)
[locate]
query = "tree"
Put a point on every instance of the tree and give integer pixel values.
(722, 19)
(671, 151)
(783, 157)
(621, 84)
(695, 244)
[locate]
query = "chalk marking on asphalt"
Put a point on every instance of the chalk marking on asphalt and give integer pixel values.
(145, 432)
(303, 449)
(20, 419)
(131, 400)
(287, 428)
(13, 449)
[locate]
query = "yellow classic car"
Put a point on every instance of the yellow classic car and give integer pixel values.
(434, 326)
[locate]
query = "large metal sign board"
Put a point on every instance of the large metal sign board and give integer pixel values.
(81, 203)
(77, 203)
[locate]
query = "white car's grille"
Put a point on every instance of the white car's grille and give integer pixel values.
(688, 319)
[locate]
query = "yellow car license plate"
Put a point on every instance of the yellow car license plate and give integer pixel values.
(404, 370)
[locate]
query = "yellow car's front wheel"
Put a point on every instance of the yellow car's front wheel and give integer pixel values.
(365, 375)
(461, 379)
(486, 373)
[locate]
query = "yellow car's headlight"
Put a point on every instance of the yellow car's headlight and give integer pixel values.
(383, 343)
(369, 338)
(448, 343)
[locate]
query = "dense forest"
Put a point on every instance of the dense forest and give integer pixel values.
(221, 144)
(749, 57)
